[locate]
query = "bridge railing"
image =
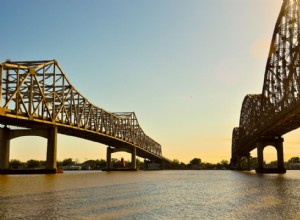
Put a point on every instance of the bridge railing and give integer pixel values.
(39, 90)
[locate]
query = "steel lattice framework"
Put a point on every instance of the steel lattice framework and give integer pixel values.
(38, 94)
(277, 110)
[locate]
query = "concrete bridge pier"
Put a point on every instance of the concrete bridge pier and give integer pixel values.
(51, 162)
(7, 134)
(4, 148)
(133, 158)
(111, 150)
(276, 142)
(108, 157)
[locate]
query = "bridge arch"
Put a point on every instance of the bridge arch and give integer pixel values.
(250, 114)
(276, 111)
(19, 148)
(281, 87)
(111, 150)
(277, 143)
(270, 154)
(6, 134)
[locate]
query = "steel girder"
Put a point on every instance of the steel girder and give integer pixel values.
(282, 76)
(277, 110)
(38, 92)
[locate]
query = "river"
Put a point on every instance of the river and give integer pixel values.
(151, 195)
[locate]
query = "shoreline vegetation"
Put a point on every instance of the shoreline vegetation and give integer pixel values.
(195, 164)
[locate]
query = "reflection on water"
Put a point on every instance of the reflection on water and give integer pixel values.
(151, 195)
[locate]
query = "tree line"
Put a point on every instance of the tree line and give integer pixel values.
(175, 164)
(101, 164)
(292, 164)
(93, 164)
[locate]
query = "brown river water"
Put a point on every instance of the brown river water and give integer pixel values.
(151, 195)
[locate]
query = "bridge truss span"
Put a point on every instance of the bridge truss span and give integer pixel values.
(281, 83)
(276, 111)
(37, 94)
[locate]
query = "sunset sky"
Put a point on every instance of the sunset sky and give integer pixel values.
(183, 66)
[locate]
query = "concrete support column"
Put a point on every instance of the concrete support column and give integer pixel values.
(4, 148)
(133, 158)
(51, 162)
(260, 156)
(280, 159)
(108, 158)
(276, 142)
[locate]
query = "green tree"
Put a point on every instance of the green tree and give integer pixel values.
(100, 164)
(225, 164)
(91, 163)
(96, 164)
(207, 166)
(174, 164)
(33, 163)
(294, 160)
(59, 163)
(195, 164)
(253, 163)
(195, 161)
(14, 163)
(43, 163)
(115, 162)
(138, 162)
(68, 162)
(272, 164)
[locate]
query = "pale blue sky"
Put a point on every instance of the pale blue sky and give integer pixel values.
(183, 66)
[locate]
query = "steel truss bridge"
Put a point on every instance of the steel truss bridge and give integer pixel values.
(267, 116)
(37, 95)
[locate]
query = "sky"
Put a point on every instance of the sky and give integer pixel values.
(183, 66)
